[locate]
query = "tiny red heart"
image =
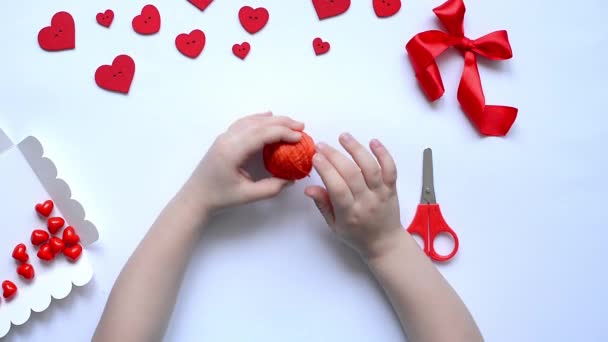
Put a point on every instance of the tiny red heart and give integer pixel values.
(201, 4)
(105, 19)
(241, 50)
(20, 253)
(61, 35)
(8, 289)
(148, 22)
(320, 46)
(45, 208)
(45, 252)
(39, 237)
(386, 8)
(70, 237)
(54, 224)
(118, 76)
(192, 44)
(73, 253)
(56, 244)
(253, 20)
(330, 8)
(26, 271)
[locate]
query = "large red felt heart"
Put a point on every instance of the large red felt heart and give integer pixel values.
(56, 244)
(39, 237)
(73, 253)
(253, 20)
(148, 22)
(8, 289)
(386, 8)
(191, 45)
(54, 224)
(118, 76)
(20, 253)
(201, 4)
(26, 271)
(320, 46)
(241, 50)
(70, 237)
(45, 208)
(61, 35)
(105, 19)
(330, 8)
(45, 252)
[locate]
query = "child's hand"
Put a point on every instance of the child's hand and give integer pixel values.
(219, 180)
(360, 201)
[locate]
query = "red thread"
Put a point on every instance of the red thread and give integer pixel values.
(290, 161)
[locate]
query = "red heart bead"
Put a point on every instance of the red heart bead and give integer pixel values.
(148, 22)
(201, 4)
(320, 46)
(26, 271)
(118, 76)
(45, 252)
(45, 208)
(192, 44)
(39, 237)
(386, 8)
(241, 50)
(70, 237)
(253, 20)
(20, 254)
(73, 253)
(61, 35)
(9, 289)
(105, 19)
(330, 8)
(54, 224)
(56, 244)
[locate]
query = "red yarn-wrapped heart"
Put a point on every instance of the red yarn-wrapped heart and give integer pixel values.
(290, 161)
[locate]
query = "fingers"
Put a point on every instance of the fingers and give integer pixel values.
(264, 189)
(266, 119)
(349, 171)
(366, 162)
(338, 190)
(254, 139)
(322, 201)
(387, 164)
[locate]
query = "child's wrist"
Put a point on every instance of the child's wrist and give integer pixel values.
(386, 246)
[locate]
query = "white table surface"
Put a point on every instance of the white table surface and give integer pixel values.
(528, 208)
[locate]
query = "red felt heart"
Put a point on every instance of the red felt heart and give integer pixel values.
(45, 252)
(20, 253)
(56, 244)
(8, 289)
(386, 8)
(54, 224)
(45, 208)
(320, 46)
(105, 19)
(73, 253)
(26, 271)
(330, 8)
(201, 4)
(39, 237)
(70, 237)
(118, 76)
(148, 22)
(191, 45)
(241, 50)
(61, 35)
(253, 20)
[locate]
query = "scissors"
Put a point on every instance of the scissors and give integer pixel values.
(428, 221)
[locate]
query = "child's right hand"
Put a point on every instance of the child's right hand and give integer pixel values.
(359, 201)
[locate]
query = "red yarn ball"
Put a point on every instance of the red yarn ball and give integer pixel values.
(290, 161)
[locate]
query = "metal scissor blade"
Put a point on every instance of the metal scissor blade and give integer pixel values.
(428, 186)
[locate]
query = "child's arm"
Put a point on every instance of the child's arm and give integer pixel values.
(143, 297)
(360, 204)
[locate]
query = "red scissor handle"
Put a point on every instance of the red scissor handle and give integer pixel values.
(428, 223)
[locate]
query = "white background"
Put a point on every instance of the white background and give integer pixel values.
(528, 208)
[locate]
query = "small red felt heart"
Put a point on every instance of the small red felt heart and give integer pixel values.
(26, 271)
(253, 20)
(386, 8)
(56, 244)
(54, 224)
(148, 22)
(70, 237)
(45, 208)
(8, 289)
(201, 4)
(118, 76)
(330, 8)
(61, 35)
(73, 253)
(320, 46)
(39, 237)
(45, 252)
(105, 19)
(20, 253)
(191, 45)
(241, 50)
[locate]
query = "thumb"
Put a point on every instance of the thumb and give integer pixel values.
(321, 198)
(265, 188)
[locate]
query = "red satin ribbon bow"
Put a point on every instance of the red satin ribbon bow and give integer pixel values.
(424, 47)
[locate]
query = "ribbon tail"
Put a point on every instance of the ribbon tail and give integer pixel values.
(422, 50)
